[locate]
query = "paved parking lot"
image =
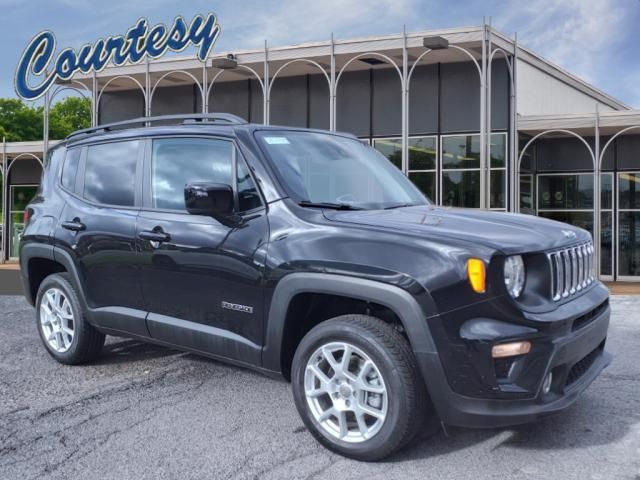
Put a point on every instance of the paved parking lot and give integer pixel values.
(144, 412)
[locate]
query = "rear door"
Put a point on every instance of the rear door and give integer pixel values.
(201, 276)
(97, 229)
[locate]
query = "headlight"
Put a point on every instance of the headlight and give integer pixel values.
(514, 275)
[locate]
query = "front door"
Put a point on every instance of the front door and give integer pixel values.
(202, 277)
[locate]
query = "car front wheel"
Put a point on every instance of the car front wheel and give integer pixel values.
(357, 387)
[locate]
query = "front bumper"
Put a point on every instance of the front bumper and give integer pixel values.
(575, 357)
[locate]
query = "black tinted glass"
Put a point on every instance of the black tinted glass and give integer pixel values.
(565, 192)
(629, 244)
(461, 189)
(425, 181)
(390, 148)
(629, 190)
(179, 161)
(461, 152)
(70, 168)
(497, 189)
(248, 197)
(422, 153)
(110, 173)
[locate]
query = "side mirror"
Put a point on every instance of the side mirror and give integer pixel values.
(211, 199)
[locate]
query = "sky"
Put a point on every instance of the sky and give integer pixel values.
(596, 40)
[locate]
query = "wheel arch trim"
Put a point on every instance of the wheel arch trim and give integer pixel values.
(401, 302)
(65, 259)
(31, 251)
(28, 252)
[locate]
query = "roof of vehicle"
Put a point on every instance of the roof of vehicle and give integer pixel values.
(194, 124)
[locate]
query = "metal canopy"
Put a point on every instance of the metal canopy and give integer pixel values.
(479, 45)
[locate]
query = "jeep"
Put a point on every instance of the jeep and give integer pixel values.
(306, 254)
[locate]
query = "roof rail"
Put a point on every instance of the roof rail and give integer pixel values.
(215, 118)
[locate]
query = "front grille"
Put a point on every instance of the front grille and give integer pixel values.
(588, 317)
(580, 368)
(571, 270)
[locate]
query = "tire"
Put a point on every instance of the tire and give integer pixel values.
(399, 412)
(58, 312)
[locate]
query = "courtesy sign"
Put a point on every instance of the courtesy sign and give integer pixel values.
(40, 68)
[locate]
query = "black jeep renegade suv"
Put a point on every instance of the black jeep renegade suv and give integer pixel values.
(307, 254)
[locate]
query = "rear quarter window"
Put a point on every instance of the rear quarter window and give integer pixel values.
(70, 169)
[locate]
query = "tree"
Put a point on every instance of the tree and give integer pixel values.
(69, 115)
(20, 122)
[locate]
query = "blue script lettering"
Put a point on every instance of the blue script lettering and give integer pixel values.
(138, 42)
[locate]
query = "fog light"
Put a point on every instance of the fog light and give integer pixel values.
(546, 386)
(510, 349)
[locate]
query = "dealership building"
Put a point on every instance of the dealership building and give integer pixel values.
(470, 116)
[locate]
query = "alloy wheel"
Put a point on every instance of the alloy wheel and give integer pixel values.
(345, 392)
(56, 320)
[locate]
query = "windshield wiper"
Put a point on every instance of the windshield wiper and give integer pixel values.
(334, 206)
(401, 205)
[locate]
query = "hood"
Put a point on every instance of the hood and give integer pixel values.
(506, 232)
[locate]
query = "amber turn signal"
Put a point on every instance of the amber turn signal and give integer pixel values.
(510, 349)
(477, 274)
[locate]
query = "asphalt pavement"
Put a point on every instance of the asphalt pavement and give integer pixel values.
(145, 412)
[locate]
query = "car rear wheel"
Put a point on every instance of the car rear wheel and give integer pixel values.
(357, 388)
(62, 327)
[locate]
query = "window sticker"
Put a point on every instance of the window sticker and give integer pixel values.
(276, 140)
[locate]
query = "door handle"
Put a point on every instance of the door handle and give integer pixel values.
(75, 225)
(154, 236)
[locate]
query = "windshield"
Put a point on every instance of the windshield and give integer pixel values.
(333, 171)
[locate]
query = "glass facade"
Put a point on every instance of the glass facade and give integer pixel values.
(565, 192)
(449, 173)
(423, 164)
(527, 192)
(629, 225)
(606, 225)
(568, 198)
(498, 174)
(460, 181)
(390, 148)
(447, 169)
(19, 197)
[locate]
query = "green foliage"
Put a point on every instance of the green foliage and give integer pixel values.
(69, 115)
(20, 122)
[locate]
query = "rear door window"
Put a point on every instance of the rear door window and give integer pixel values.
(110, 173)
